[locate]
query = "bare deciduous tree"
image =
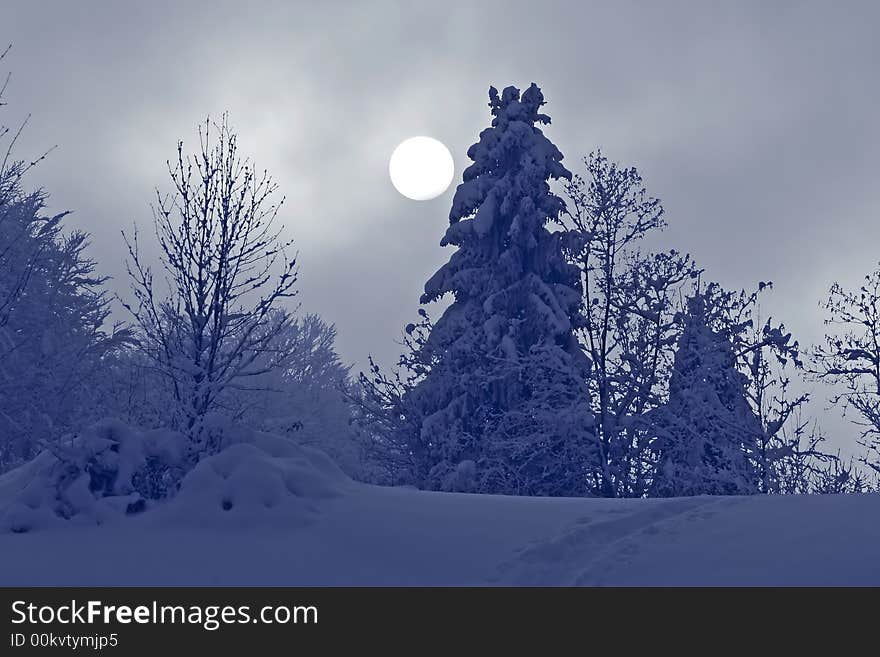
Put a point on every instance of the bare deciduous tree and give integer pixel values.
(227, 267)
(384, 414)
(631, 300)
(850, 357)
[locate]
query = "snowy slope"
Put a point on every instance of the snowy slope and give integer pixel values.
(376, 536)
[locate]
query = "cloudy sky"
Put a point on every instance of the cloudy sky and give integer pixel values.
(755, 123)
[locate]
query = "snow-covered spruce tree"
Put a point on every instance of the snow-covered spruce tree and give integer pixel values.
(503, 408)
(708, 431)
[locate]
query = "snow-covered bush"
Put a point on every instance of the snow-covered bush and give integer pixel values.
(107, 470)
(111, 470)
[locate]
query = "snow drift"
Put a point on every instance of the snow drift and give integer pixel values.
(258, 478)
(110, 471)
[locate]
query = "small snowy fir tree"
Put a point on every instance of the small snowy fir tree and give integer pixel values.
(503, 407)
(709, 432)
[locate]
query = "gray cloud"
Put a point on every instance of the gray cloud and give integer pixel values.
(754, 122)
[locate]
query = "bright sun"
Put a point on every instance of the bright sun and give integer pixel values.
(421, 168)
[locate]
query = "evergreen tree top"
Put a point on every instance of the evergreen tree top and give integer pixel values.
(504, 201)
(513, 153)
(511, 105)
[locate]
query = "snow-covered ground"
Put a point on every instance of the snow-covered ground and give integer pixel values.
(266, 511)
(380, 536)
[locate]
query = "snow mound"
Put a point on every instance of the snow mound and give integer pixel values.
(256, 477)
(111, 471)
(106, 471)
